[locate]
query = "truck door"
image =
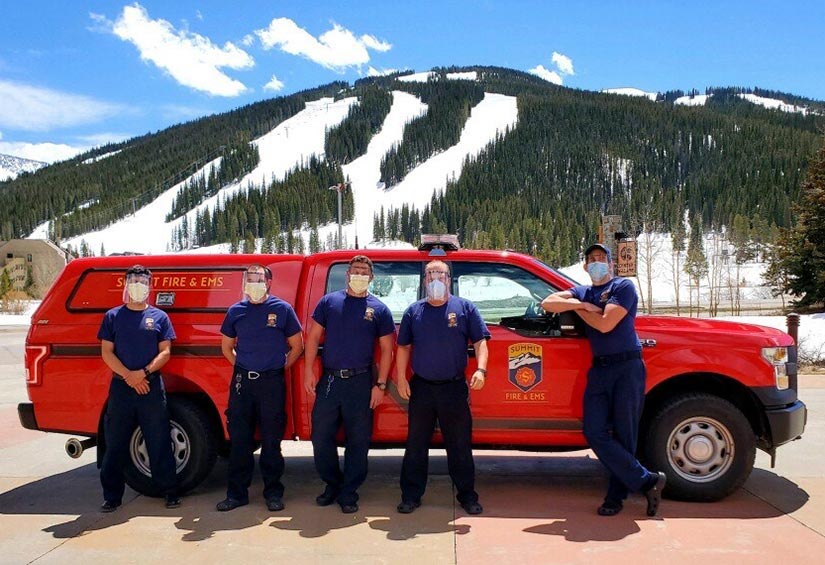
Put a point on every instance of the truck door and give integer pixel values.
(538, 362)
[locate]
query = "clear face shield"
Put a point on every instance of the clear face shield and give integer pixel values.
(437, 280)
(136, 288)
(255, 286)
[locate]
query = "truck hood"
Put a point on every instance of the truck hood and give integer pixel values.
(721, 331)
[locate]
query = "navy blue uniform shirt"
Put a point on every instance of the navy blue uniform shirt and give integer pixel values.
(623, 337)
(262, 330)
(351, 324)
(136, 334)
(439, 336)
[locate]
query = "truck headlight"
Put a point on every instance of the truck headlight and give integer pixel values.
(778, 357)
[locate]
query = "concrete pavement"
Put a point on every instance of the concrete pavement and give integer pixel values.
(539, 508)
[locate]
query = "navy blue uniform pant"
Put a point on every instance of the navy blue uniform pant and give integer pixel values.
(344, 402)
(613, 401)
(449, 404)
(256, 402)
(126, 409)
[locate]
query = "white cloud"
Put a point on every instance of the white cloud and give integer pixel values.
(563, 63)
(104, 138)
(546, 74)
(373, 72)
(46, 152)
(248, 40)
(375, 44)
(31, 108)
(274, 85)
(335, 49)
(191, 59)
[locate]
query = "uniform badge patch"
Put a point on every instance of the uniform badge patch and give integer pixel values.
(605, 296)
(271, 319)
(150, 323)
(524, 365)
(452, 320)
(369, 314)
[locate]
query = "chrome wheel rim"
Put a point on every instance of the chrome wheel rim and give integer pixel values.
(181, 449)
(700, 449)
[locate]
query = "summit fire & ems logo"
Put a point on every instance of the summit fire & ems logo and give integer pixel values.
(524, 364)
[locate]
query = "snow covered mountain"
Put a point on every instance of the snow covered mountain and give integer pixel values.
(11, 166)
(292, 143)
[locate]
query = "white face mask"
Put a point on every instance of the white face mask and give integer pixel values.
(138, 292)
(436, 290)
(255, 291)
(359, 283)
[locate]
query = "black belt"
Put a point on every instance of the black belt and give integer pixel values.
(347, 373)
(454, 378)
(252, 375)
(605, 360)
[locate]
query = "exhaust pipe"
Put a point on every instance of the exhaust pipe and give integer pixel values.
(75, 447)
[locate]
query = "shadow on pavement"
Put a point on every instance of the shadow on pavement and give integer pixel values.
(562, 490)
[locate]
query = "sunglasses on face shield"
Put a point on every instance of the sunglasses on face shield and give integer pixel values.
(437, 274)
(131, 279)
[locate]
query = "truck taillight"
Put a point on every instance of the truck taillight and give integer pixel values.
(778, 358)
(35, 354)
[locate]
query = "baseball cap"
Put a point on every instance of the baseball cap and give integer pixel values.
(599, 246)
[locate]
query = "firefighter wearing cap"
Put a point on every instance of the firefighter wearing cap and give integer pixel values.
(261, 338)
(614, 394)
(346, 394)
(435, 332)
(136, 341)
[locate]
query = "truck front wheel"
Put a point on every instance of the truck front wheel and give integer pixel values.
(703, 443)
(194, 447)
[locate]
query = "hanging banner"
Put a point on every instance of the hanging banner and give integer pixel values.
(626, 260)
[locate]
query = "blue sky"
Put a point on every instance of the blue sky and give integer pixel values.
(74, 75)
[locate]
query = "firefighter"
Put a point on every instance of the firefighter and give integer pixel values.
(351, 321)
(136, 341)
(435, 332)
(614, 394)
(261, 338)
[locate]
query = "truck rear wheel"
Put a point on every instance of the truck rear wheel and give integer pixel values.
(194, 446)
(703, 443)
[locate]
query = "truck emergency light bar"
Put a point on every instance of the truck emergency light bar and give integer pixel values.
(438, 244)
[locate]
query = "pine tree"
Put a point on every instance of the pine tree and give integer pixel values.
(799, 264)
(5, 283)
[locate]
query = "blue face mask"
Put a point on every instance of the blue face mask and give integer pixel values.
(597, 271)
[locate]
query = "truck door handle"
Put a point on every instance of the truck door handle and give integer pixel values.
(648, 342)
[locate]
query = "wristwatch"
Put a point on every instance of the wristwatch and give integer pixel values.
(146, 372)
(483, 371)
(381, 386)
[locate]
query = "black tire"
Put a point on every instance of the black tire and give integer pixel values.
(704, 444)
(194, 443)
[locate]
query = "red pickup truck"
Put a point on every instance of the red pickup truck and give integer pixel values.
(715, 390)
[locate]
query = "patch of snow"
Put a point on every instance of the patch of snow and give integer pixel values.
(774, 104)
(100, 157)
(631, 92)
(695, 100)
(23, 319)
(469, 75)
(417, 77)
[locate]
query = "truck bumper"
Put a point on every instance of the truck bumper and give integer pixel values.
(25, 410)
(786, 423)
